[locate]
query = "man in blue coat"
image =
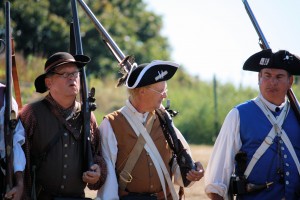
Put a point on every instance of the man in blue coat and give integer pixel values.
(258, 147)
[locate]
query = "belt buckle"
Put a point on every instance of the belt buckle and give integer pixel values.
(124, 174)
(269, 140)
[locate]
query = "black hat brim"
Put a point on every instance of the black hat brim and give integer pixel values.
(279, 60)
(39, 83)
(154, 72)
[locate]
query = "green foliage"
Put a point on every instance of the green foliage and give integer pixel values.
(198, 119)
(42, 28)
(135, 30)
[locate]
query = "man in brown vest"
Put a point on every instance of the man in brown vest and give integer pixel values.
(54, 145)
(133, 143)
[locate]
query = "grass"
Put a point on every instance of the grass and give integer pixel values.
(200, 153)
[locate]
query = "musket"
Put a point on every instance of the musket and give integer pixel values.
(113, 47)
(88, 99)
(264, 45)
(10, 118)
(184, 160)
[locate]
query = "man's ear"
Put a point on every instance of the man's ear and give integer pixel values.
(291, 80)
(258, 77)
(48, 82)
(142, 90)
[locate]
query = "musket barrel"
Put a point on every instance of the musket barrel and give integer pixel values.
(256, 25)
(113, 47)
(8, 117)
(88, 157)
(78, 42)
(8, 51)
(106, 37)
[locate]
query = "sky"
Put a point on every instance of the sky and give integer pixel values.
(215, 37)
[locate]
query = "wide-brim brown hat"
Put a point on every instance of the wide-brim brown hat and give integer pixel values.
(267, 59)
(55, 61)
(150, 73)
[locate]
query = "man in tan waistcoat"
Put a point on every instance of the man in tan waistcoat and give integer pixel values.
(138, 156)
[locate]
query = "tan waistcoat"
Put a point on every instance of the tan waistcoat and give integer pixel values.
(145, 178)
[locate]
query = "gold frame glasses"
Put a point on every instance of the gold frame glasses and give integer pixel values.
(164, 92)
(68, 75)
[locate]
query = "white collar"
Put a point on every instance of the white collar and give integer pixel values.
(271, 106)
(141, 116)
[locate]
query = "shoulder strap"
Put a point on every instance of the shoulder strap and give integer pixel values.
(153, 152)
(55, 139)
(70, 128)
(125, 175)
(268, 141)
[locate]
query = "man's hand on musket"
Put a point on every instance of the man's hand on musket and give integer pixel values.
(93, 175)
(196, 175)
(214, 196)
(16, 192)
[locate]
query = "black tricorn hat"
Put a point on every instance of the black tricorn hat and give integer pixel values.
(267, 59)
(57, 60)
(150, 73)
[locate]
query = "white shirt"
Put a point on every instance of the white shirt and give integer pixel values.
(109, 191)
(18, 140)
(228, 143)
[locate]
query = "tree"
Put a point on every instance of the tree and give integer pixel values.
(42, 28)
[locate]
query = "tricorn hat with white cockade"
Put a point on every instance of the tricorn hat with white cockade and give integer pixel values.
(150, 73)
(279, 60)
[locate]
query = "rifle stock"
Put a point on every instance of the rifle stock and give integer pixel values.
(9, 113)
(87, 101)
(264, 45)
(15, 75)
(184, 160)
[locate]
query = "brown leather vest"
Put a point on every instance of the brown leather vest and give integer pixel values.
(61, 171)
(145, 178)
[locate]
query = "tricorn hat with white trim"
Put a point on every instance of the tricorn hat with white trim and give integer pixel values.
(150, 73)
(267, 59)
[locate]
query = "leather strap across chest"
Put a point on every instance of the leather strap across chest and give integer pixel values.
(125, 174)
(152, 150)
(275, 131)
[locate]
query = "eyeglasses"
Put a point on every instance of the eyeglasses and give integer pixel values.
(68, 75)
(164, 92)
